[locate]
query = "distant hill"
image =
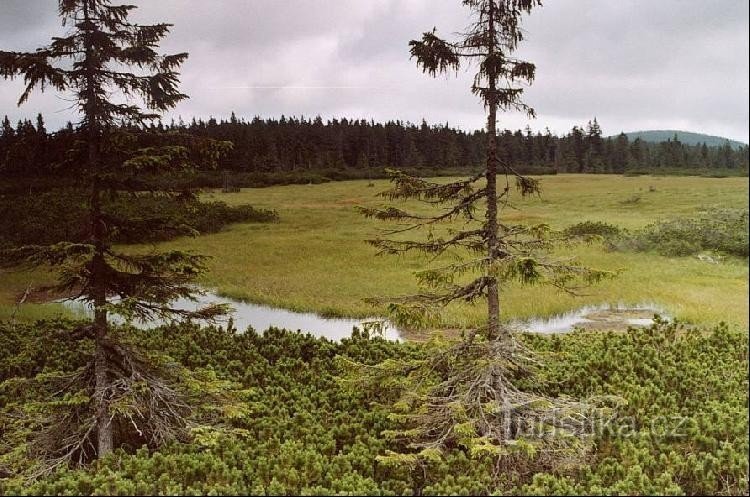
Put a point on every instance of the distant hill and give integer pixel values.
(686, 137)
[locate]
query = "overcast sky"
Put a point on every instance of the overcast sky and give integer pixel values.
(634, 64)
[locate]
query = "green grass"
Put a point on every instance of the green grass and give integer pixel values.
(315, 259)
(13, 284)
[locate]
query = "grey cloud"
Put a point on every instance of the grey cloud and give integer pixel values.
(633, 63)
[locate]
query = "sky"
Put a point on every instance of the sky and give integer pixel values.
(632, 64)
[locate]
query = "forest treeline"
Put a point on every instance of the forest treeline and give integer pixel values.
(344, 148)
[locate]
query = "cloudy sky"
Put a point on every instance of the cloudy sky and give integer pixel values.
(634, 64)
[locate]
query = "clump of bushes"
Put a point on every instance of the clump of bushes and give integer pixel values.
(145, 215)
(43, 218)
(62, 215)
(592, 228)
(718, 230)
(724, 231)
(678, 248)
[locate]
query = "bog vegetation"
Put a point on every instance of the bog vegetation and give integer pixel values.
(106, 211)
(318, 227)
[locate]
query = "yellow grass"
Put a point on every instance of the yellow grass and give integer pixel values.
(315, 259)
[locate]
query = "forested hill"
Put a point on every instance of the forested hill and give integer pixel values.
(302, 150)
(686, 137)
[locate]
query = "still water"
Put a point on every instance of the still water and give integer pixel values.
(595, 317)
(261, 317)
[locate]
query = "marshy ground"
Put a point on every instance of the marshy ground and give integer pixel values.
(316, 259)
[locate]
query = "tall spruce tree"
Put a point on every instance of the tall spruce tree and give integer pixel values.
(104, 55)
(506, 251)
(466, 394)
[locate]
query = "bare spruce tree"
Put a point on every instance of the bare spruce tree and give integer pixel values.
(467, 394)
(112, 69)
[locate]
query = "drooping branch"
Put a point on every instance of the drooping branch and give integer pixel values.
(36, 70)
(463, 395)
(464, 206)
(472, 240)
(146, 405)
(434, 54)
(406, 186)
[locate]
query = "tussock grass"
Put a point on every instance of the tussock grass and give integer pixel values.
(315, 258)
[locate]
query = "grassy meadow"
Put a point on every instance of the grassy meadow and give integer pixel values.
(315, 258)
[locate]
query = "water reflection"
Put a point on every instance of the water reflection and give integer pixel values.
(261, 317)
(594, 317)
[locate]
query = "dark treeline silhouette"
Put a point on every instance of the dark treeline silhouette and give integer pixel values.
(358, 148)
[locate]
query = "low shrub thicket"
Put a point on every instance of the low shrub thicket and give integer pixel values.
(684, 418)
(724, 231)
(62, 215)
(719, 230)
(592, 228)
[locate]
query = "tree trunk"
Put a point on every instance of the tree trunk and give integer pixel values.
(493, 296)
(104, 432)
(98, 273)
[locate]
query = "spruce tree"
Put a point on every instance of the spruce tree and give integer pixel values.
(505, 250)
(104, 54)
(619, 159)
(466, 393)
